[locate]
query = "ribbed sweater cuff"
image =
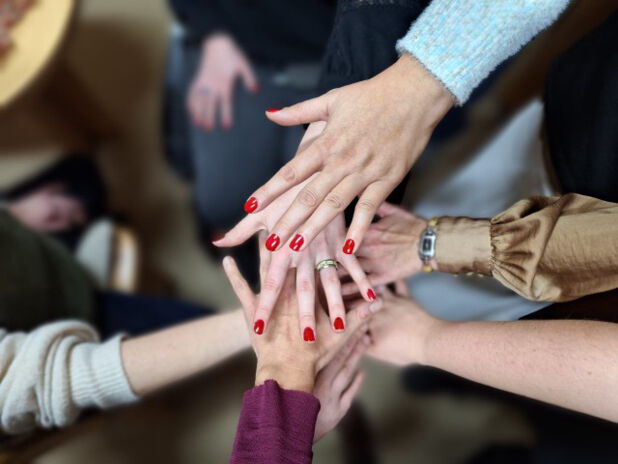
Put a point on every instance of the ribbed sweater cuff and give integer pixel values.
(461, 41)
(98, 377)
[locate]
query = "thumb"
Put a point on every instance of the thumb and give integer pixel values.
(312, 110)
(240, 233)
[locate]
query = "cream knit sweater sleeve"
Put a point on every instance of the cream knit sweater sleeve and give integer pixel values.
(461, 41)
(48, 375)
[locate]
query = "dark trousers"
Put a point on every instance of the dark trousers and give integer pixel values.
(226, 166)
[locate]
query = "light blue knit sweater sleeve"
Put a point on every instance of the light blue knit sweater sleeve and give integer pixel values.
(462, 41)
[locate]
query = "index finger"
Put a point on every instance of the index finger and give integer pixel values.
(271, 288)
(240, 286)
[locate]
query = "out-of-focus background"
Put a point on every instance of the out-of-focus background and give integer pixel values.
(100, 93)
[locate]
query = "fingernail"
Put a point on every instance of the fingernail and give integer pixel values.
(272, 110)
(371, 294)
(297, 243)
(348, 248)
(308, 335)
(258, 327)
(251, 205)
(273, 242)
(338, 325)
(218, 236)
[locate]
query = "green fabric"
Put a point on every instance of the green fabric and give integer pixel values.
(39, 280)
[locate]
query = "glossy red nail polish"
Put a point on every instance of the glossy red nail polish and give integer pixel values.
(258, 327)
(308, 335)
(273, 242)
(371, 294)
(297, 243)
(348, 247)
(272, 110)
(251, 205)
(338, 325)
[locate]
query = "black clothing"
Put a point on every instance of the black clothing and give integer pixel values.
(362, 43)
(271, 32)
(581, 114)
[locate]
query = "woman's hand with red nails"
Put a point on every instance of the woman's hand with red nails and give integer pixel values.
(281, 354)
(375, 130)
(212, 90)
(390, 249)
(338, 383)
(325, 246)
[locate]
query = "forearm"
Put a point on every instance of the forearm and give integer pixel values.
(568, 363)
(159, 359)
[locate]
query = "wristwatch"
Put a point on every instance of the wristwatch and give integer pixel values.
(427, 245)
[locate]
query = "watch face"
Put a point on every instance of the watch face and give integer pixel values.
(426, 245)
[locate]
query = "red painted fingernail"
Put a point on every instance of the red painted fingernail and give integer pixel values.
(308, 335)
(272, 110)
(258, 327)
(251, 205)
(348, 248)
(297, 243)
(273, 242)
(371, 294)
(338, 325)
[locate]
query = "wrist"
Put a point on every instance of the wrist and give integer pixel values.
(423, 87)
(432, 331)
(288, 378)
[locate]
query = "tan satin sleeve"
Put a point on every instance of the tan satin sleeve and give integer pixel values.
(545, 249)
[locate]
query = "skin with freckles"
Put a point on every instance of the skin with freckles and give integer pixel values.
(569, 363)
(372, 133)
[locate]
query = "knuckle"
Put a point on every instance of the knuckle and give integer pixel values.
(334, 201)
(322, 147)
(288, 173)
(271, 285)
(308, 197)
(367, 205)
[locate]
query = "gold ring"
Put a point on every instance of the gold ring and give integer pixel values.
(326, 263)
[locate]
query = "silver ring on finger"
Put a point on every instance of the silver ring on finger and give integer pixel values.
(325, 263)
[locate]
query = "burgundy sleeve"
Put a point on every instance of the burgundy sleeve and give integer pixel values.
(275, 426)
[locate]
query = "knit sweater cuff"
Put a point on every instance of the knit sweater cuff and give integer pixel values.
(461, 41)
(98, 377)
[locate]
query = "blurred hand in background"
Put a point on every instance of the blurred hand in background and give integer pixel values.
(212, 90)
(49, 210)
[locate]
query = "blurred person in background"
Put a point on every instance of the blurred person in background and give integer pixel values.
(55, 365)
(229, 61)
(63, 200)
